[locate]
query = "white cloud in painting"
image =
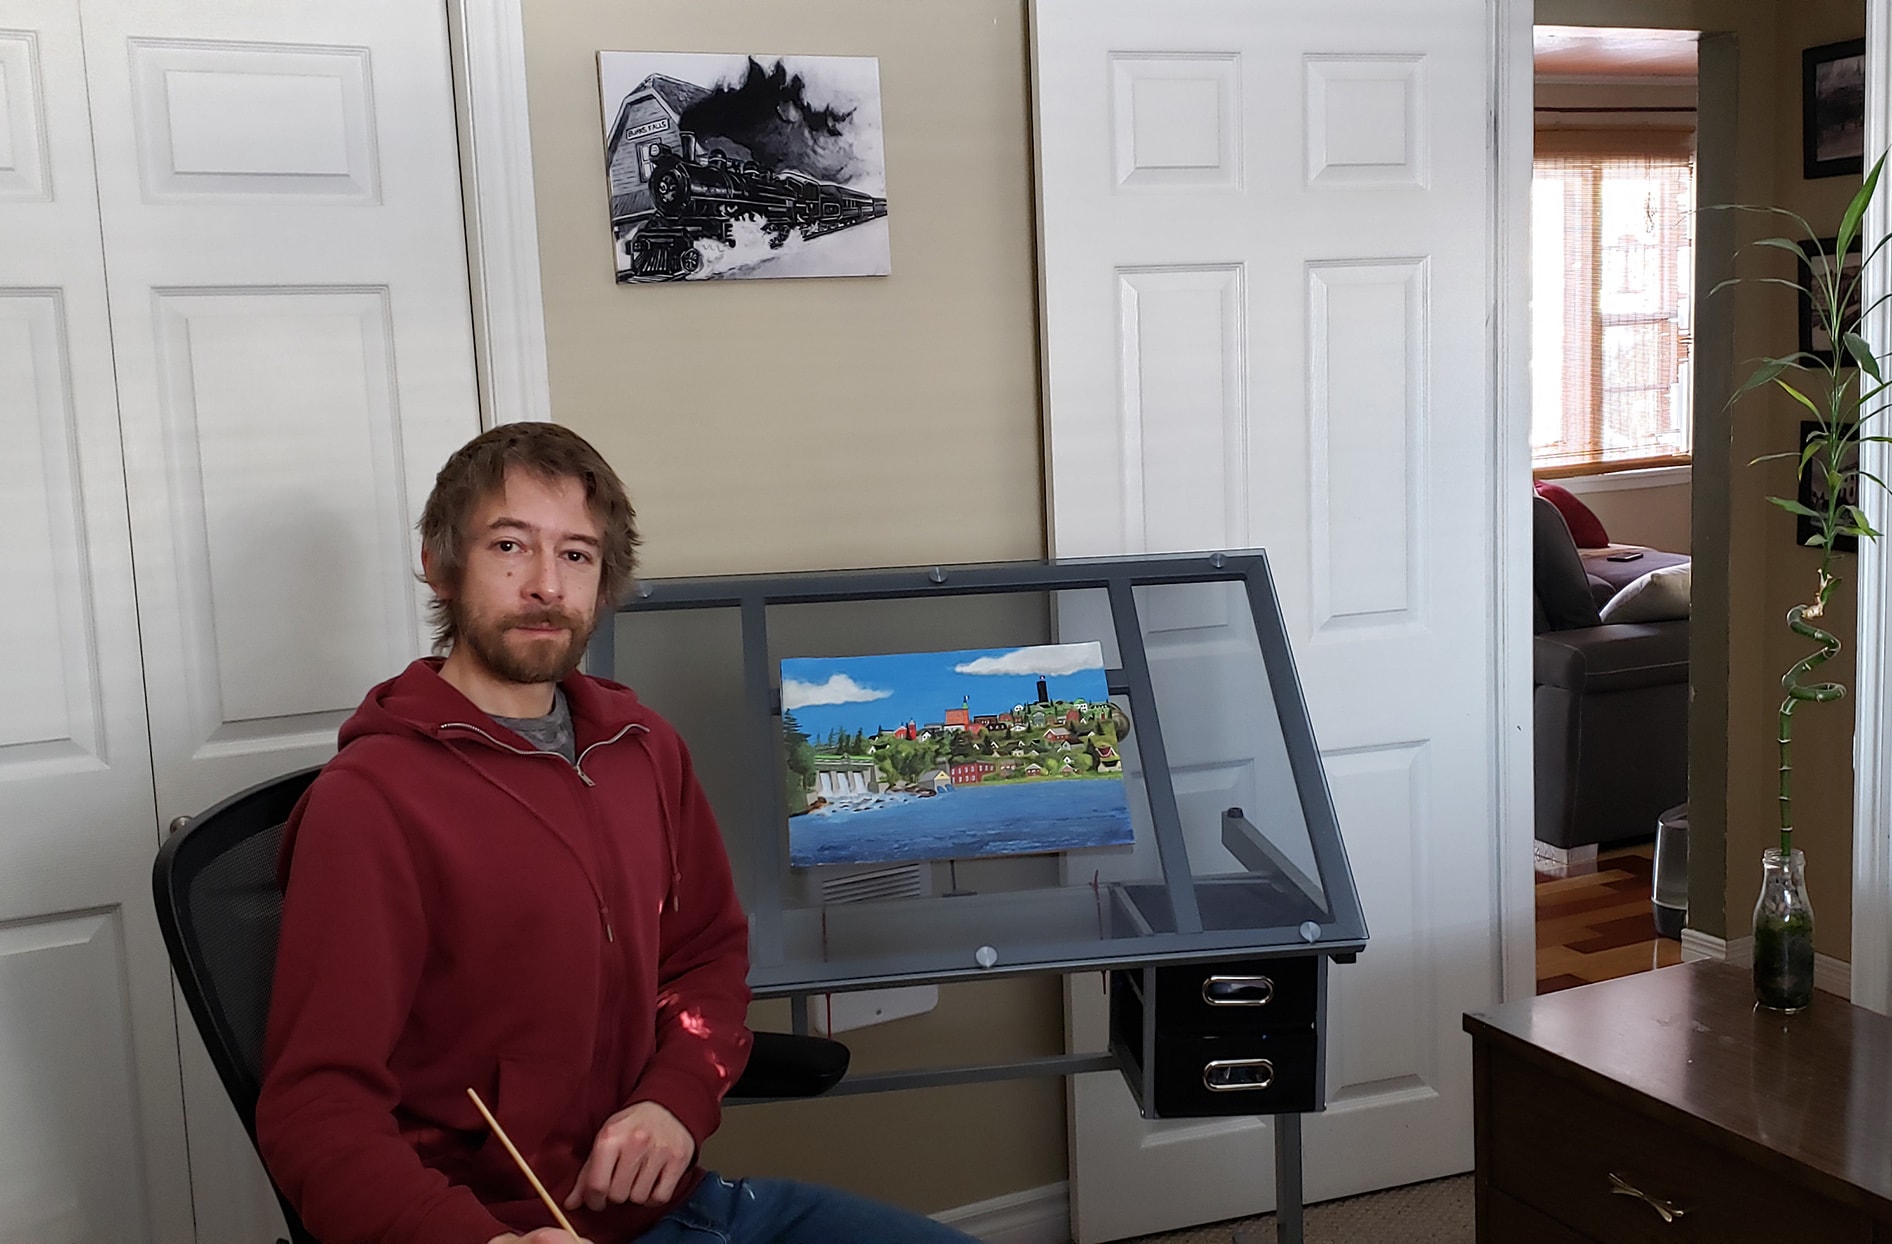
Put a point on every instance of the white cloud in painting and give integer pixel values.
(1049, 660)
(838, 689)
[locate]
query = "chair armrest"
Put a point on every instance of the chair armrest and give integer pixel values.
(782, 1064)
(1619, 656)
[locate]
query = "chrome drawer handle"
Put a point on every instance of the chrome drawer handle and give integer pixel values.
(1218, 1075)
(1668, 1209)
(1237, 991)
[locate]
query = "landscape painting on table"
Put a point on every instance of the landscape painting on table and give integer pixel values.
(951, 755)
(744, 166)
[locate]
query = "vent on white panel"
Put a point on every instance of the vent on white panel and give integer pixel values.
(840, 1012)
(899, 881)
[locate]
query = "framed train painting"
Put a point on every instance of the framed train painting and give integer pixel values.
(728, 167)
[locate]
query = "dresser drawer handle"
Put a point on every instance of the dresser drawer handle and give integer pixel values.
(1237, 1075)
(1668, 1209)
(1238, 991)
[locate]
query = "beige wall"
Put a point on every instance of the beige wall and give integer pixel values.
(1657, 516)
(1823, 734)
(811, 424)
(795, 424)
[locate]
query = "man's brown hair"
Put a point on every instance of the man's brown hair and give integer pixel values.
(478, 470)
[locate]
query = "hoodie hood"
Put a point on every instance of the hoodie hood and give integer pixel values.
(419, 704)
(419, 701)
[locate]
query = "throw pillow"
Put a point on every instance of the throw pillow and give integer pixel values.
(1585, 527)
(1659, 596)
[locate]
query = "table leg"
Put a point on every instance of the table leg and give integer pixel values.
(1287, 1178)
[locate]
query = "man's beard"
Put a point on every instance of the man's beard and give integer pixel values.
(540, 660)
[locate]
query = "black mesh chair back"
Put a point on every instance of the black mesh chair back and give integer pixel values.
(220, 910)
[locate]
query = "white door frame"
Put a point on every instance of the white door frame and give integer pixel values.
(502, 221)
(1872, 718)
(1510, 461)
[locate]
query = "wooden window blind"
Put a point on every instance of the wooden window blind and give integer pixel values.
(1612, 217)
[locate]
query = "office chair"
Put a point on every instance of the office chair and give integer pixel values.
(220, 910)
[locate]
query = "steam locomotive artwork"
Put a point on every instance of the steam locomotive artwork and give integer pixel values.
(741, 166)
(697, 195)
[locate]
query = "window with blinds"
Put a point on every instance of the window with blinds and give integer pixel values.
(1612, 217)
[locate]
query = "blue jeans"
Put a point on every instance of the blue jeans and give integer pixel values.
(781, 1211)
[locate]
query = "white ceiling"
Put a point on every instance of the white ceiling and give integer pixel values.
(1605, 52)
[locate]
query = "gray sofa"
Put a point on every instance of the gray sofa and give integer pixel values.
(1610, 702)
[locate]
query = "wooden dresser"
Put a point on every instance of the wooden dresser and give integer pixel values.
(1666, 1107)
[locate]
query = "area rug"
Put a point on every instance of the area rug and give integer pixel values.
(1439, 1212)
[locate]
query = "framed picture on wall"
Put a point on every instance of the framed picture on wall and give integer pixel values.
(1833, 109)
(1812, 492)
(730, 167)
(1813, 336)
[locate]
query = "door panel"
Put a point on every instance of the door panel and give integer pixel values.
(91, 1115)
(1264, 238)
(280, 192)
(64, 1022)
(274, 504)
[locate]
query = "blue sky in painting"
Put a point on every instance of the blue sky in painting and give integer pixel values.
(893, 689)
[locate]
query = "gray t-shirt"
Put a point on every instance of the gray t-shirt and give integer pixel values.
(550, 733)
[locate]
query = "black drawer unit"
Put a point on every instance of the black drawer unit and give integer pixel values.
(1221, 1038)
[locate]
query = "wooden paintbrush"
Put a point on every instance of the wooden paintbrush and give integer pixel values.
(557, 1215)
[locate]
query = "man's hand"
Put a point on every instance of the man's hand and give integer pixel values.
(641, 1153)
(544, 1235)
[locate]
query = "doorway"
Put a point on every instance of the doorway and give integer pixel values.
(1613, 311)
(1743, 555)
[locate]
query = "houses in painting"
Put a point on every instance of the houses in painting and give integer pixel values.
(1048, 740)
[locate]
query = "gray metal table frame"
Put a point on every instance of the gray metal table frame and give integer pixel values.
(772, 976)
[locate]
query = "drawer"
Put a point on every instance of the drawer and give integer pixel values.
(1555, 1146)
(1200, 1075)
(1229, 1038)
(1238, 995)
(1504, 1220)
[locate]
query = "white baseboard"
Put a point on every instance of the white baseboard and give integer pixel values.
(1834, 976)
(1698, 945)
(1562, 862)
(1034, 1216)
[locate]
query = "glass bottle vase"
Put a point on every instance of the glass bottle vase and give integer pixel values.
(1783, 934)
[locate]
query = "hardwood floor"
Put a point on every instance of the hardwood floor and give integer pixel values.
(1598, 926)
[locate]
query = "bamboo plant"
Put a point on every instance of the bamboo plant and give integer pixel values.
(1841, 401)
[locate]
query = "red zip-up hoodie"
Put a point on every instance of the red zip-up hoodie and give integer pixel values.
(464, 910)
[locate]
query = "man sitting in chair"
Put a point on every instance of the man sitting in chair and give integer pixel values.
(509, 880)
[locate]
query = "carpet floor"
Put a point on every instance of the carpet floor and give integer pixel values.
(1437, 1212)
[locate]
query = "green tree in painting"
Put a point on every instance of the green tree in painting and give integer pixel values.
(801, 762)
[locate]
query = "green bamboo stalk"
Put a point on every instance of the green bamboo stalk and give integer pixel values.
(1840, 419)
(1797, 694)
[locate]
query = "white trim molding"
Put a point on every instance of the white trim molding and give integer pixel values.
(1509, 463)
(1034, 1216)
(1623, 481)
(1830, 975)
(501, 213)
(1872, 711)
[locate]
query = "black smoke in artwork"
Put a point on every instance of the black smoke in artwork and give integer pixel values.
(769, 113)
